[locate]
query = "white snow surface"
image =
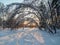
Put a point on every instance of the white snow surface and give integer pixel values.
(28, 36)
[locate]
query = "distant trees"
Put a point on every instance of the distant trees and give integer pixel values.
(0, 21)
(1, 12)
(1, 8)
(55, 12)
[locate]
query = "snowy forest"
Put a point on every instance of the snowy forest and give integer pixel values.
(29, 22)
(39, 13)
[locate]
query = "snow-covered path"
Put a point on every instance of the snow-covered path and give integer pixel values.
(28, 36)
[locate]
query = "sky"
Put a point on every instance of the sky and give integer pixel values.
(6, 2)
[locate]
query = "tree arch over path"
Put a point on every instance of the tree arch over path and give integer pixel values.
(21, 8)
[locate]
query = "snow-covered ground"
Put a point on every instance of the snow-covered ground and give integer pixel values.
(28, 36)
